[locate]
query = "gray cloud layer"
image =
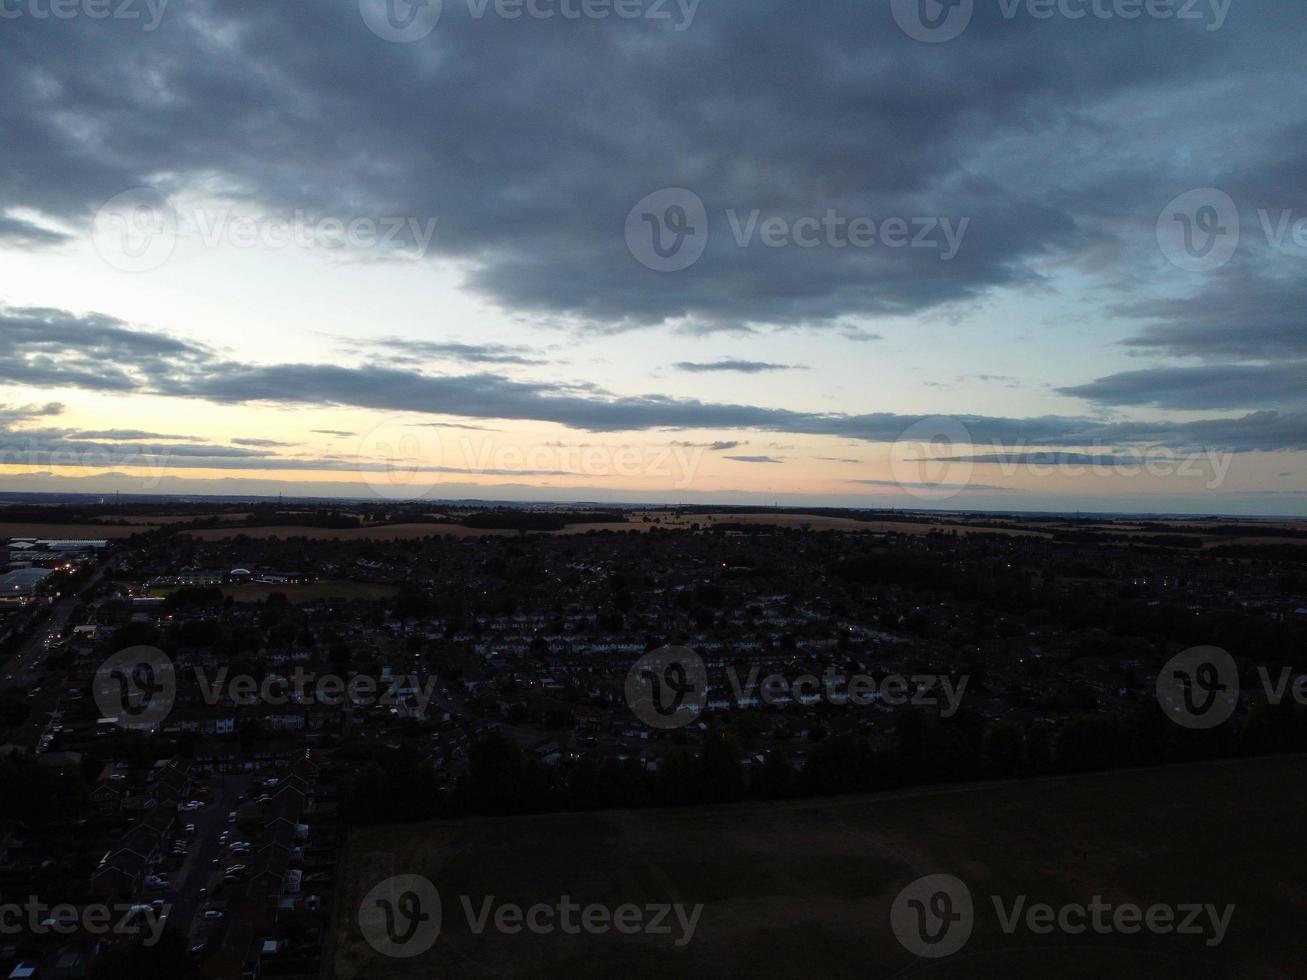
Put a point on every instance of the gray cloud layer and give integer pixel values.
(733, 364)
(789, 108)
(175, 368)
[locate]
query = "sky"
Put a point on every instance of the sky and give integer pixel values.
(991, 254)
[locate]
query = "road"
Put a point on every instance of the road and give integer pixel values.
(195, 873)
(27, 667)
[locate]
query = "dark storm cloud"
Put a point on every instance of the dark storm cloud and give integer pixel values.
(718, 446)
(52, 448)
(1255, 432)
(262, 443)
(1044, 459)
(1240, 314)
(794, 109)
(10, 414)
(129, 435)
(743, 367)
(178, 369)
(487, 396)
(14, 231)
(928, 486)
(46, 348)
(1204, 387)
(469, 353)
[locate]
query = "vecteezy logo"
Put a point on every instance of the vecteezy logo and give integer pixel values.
(1199, 688)
(666, 687)
(136, 687)
(400, 459)
(401, 21)
(135, 231)
(933, 21)
(400, 917)
(1199, 230)
(667, 231)
(927, 459)
(933, 916)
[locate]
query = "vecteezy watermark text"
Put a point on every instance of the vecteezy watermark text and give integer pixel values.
(668, 230)
(139, 230)
(935, 458)
(401, 917)
(669, 688)
(840, 688)
(934, 916)
(403, 460)
(936, 21)
(1202, 230)
(137, 688)
(1199, 688)
(407, 21)
(36, 917)
(149, 13)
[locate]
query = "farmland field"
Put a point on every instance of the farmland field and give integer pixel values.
(804, 888)
(400, 532)
(393, 532)
(381, 532)
(833, 522)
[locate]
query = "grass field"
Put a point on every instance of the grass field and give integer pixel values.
(391, 532)
(804, 889)
(170, 518)
(832, 522)
(383, 532)
(402, 532)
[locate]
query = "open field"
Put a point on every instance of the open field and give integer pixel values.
(169, 518)
(300, 592)
(393, 532)
(831, 522)
(79, 531)
(804, 888)
(381, 532)
(403, 532)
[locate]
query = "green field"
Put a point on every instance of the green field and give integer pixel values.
(804, 889)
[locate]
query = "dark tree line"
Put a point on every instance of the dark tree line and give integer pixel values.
(504, 778)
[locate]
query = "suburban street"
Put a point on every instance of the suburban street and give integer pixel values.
(195, 873)
(26, 668)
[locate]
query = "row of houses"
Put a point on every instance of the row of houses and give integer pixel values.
(122, 871)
